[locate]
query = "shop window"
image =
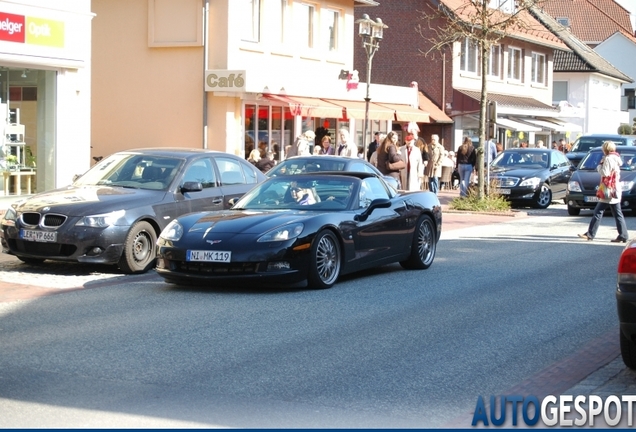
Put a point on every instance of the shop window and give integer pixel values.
(559, 91)
(173, 23)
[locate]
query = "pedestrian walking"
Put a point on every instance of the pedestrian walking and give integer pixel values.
(411, 176)
(466, 160)
(610, 170)
(434, 167)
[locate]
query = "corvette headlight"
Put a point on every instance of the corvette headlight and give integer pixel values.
(282, 233)
(574, 186)
(627, 185)
(173, 231)
(101, 220)
(532, 182)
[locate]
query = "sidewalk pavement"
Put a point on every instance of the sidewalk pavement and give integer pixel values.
(604, 373)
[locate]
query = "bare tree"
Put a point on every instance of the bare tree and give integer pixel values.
(476, 22)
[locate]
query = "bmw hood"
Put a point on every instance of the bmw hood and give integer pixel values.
(74, 201)
(241, 221)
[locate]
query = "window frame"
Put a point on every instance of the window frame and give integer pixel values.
(308, 41)
(539, 68)
(491, 65)
(254, 16)
(468, 46)
(515, 66)
(332, 37)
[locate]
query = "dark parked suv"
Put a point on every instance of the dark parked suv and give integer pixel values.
(586, 142)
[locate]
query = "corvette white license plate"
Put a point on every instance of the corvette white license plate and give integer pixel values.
(208, 256)
(591, 199)
(38, 236)
(504, 191)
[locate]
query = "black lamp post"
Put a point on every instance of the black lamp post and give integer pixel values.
(371, 33)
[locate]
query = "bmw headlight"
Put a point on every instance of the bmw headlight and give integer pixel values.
(173, 231)
(282, 233)
(10, 216)
(101, 220)
(627, 185)
(574, 186)
(531, 182)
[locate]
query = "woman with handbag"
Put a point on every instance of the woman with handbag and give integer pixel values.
(389, 161)
(609, 193)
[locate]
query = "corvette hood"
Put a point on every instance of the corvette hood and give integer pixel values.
(83, 201)
(242, 221)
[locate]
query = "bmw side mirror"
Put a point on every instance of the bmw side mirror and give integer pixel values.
(191, 187)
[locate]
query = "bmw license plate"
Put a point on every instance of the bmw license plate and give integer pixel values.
(504, 191)
(590, 199)
(208, 256)
(38, 236)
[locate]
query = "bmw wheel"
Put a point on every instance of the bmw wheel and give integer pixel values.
(31, 261)
(574, 211)
(544, 197)
(139, 249)
(424, 245)
(324, 263)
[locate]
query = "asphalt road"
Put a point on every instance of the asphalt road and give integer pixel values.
(502, 304)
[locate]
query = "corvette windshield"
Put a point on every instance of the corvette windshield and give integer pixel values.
(133, 171)
(301, 193)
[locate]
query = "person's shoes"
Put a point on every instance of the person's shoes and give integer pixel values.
(619, 240)
(586, 237)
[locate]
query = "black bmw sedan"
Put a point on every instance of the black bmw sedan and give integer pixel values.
(581, 193)
(531, 176)
(115, 211)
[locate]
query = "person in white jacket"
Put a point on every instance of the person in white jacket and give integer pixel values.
(609, 168)
(411, 176)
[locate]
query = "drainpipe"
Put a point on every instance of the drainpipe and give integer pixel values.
(206, 12)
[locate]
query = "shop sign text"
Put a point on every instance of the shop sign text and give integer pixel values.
(225, 80)
(31, 30)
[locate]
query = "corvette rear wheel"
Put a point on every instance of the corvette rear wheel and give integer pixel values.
(424, 245)
(324, 263)
(139, 249)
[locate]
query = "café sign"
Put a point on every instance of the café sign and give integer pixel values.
(225, 80)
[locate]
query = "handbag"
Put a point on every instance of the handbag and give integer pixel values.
(607, 188)
(397, 165)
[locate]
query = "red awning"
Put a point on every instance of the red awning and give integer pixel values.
(356, 109)
(309, 107)
(436, 114)
(406, 113)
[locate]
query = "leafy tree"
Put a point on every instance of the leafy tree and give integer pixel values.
(625, 129)
(478, 23)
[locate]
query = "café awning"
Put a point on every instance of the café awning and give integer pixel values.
(406, 113)
(553, 124)
(436, 114)
(356, 109)
(309, 107)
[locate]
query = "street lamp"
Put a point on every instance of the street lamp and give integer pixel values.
(371, 33)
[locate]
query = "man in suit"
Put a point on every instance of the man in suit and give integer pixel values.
(373, 146)
(347, 147)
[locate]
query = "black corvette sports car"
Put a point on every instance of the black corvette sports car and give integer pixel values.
(581, 194)
(304, 229)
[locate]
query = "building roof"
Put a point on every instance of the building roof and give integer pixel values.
(530, 30)
(587, 60)
(592, 21)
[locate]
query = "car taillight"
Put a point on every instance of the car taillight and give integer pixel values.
(627, 265)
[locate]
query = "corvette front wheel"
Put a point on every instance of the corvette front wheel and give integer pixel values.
(324, 263)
